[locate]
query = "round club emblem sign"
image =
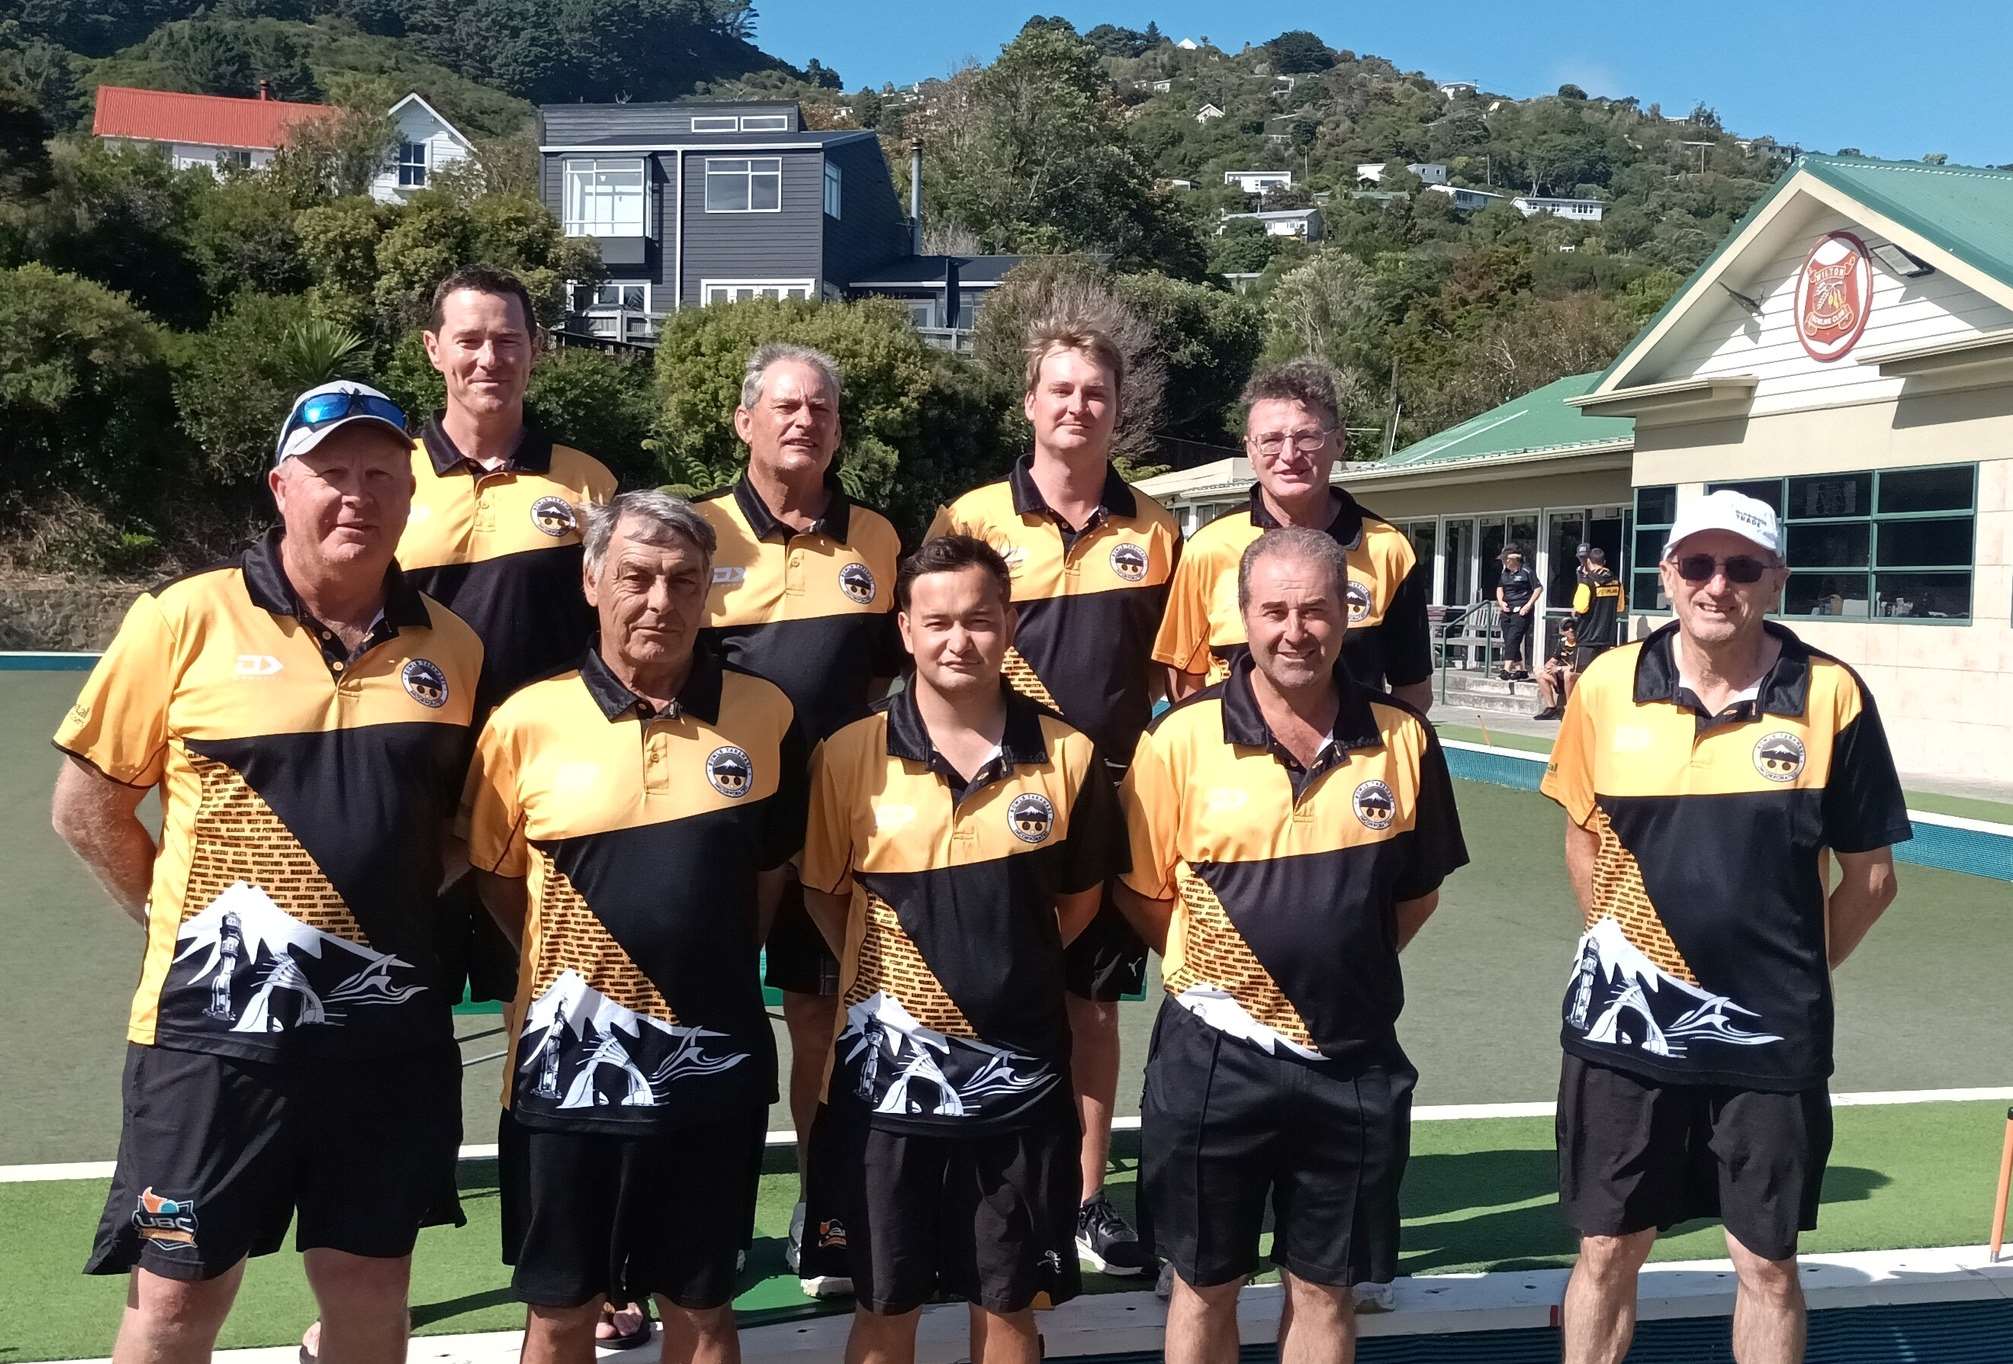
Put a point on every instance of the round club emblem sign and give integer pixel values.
(1128, 561)
(1374, 804)
(1779, 756)
(554, 516)
(730, 771)
(1031, 817)
(1358, 595)
(425, 683)
(1834, 295)
(857, 582)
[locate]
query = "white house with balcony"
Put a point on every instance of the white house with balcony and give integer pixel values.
(1469, 200)
(1579, 210)
(1429, 172)
(1303, 223)
(1259, 182)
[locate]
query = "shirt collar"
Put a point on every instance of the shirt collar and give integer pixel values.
(1346, 528)
(1115, 499)
(266, 583)
(1021, 743)
(836, 521)
(1244, 724)
(1783, 690)
(700, 696)
(533, 454)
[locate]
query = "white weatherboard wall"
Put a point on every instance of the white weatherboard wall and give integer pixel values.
(443, 149)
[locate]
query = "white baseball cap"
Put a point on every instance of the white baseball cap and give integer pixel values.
(331, 407)
(1736, 513)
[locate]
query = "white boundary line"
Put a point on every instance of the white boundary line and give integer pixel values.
(1880, 1098)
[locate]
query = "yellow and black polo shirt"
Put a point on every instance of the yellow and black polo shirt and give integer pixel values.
(1598, 602)
(502, 549)
(1388, 643)
(952, 973)
(305, 793)
(639, 834)
(1089, 598)
(1704, 957)
(1285, 880)
(813, 611)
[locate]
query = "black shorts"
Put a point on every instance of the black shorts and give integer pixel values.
(990, 1219)
(1586, 654)
(797, 959)
(590, 1214)
(471, 948)
(1516, 637)
(1107, 961)
(1225, 1125)
(1635, 1154)
(216, 1155)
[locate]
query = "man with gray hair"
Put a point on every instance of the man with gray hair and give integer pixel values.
(629, 824)
(1279, 915)
(802, 593)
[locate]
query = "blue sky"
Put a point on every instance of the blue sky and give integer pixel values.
(1893, 79)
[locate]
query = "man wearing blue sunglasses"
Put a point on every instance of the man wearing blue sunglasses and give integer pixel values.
(305, 713)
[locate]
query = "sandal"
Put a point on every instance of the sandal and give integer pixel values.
(618, 1339)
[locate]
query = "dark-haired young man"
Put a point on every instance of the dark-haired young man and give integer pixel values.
(959, 837)
(1598, 603)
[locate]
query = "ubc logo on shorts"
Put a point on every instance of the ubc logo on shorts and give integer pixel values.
(167, 1222)
(425, 683)
(1128, 561)
(1374, 804)
(730, 771)
(554, 516)
(1031, 817)
(1358, 597)
(1779, 756)
(857, 582)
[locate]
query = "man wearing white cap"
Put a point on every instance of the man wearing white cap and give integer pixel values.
(1711, 775)
(304, 712)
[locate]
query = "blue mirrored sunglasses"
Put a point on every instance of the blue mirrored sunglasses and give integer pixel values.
(324, 408)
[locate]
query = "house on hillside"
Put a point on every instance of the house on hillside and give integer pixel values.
(700, 202)
(1207, 112)
(1579, 210)
(215, 131)
(1161, 87)
(1304, 223)
(1429, 172)
(1189, 45)
(1469, 200)
(1455, 89)
(1259, 182)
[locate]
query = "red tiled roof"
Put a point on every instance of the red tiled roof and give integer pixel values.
(204, 120)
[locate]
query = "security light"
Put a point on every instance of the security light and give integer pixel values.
(1901, 262)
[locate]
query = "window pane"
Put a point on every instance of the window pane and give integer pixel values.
(1767, 490)
(728, 166)
(1917, 490)
(1656, 506)
(1828, 546)
(766, 190)
(764, 123)
(1926, 542)
(1923, 595)
(1825, 594)
(1649, 547)
(1831, 495)
(1647, 594)
(726, 193)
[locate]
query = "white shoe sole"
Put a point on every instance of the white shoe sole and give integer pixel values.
(826, 1286)
(1087, 1256)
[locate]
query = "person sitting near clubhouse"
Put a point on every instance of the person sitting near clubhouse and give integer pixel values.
(1555, 679)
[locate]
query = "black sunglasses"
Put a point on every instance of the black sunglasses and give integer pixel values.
(1741, 568)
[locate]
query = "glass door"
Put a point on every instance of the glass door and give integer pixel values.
(1457, 562)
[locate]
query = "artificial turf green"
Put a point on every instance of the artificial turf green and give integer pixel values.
(1478, 1196)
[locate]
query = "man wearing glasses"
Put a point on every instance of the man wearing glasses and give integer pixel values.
(1711, 775)
(304, 712)
(1293, 436)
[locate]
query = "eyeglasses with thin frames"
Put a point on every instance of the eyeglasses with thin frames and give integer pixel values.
(1274, 442)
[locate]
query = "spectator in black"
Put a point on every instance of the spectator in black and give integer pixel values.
(1516, 600)
(1598, 602)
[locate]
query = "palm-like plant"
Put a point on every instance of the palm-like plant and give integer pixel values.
(315, 351)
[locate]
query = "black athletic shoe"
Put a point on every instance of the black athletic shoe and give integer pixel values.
(1105, 1242)
(1552, 714)
(1504, 674)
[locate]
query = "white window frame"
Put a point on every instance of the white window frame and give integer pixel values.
(715, 123)
(747, 175)
(578, 167)
(412, 174)
(765, 123)
(595, 304)
(835, 189)
(742, 290)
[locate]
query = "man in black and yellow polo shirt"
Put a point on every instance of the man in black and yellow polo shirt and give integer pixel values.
(1712, 775)
(803, 594)
(1294, 437)
(495, 532)
(1090, 558)
(1598, 604)
(628, 820)
(959, 837)
(1290, 831)
(304, 713)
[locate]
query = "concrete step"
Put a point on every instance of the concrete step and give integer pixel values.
(1475, 691)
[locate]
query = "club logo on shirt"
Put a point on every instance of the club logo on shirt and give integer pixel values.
(1128, 561)
(257, 665)
(730, 771)
(857, 582)
(168, 1222)
(1779, 756)
(1358, 597)
(1374, 804)
(1031, 817)
(1015, 556)
(425, 683)
(554, 516)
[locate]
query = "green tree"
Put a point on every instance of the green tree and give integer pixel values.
(233, 385)
(1207, 341)
(1571, 91)
(84, 394)
(339, 243)
(435, 234)
(340, 153)
(223, 57)
(242, 236)
(121, 216)
(920, 426)
(1297, 50)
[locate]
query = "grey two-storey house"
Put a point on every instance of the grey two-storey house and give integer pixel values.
(705, 202)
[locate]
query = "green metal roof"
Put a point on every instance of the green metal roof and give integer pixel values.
(1538, 421)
